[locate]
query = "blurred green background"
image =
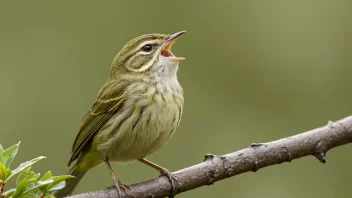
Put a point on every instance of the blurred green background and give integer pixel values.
(256, 71)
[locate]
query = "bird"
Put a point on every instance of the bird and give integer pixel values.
(136, 111)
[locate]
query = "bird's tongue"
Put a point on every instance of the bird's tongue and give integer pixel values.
(167, 53)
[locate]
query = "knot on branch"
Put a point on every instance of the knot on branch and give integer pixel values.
(287, 151)
(209, 157)
(321, 157)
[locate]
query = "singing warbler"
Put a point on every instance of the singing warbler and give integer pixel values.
(136, 112)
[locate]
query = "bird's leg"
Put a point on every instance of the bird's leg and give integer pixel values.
(117, 183)
(163, 171)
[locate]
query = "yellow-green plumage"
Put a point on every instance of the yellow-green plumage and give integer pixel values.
(136, 112)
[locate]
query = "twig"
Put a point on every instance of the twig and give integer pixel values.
(258, 155)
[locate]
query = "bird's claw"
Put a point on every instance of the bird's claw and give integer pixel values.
(125, 187)
(118, 185)
(173, 181)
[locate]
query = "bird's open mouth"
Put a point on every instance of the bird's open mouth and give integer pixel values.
(166, 50)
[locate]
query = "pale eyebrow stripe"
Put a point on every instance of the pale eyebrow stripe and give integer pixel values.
(153, 42)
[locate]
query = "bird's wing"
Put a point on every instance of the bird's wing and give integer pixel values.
(109, 101)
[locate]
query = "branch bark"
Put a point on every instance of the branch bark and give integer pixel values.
(258, 155)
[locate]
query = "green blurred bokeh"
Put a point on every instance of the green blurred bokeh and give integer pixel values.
(256, 71)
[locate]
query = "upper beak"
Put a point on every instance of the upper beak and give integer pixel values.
(167, 47)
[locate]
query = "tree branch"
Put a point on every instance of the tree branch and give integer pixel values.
(214, 168)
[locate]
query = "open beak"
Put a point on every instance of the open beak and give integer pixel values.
(166, 49)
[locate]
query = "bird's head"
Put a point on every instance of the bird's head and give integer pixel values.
(148, 54)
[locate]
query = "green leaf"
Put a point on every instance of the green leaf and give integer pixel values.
(20, 189)
(35, 177)
(10, 154)
(57, 186)
(46, 176)
(1, 155)
(23, 175)
(22, 166)
(2, 159)
(9, 193)
(29, 195)
(4, 173)
(21, 186)
(62, 178)
(26, 182)
(38, 185)
(59, 183)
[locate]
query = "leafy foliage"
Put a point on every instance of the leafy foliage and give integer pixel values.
(28, 183)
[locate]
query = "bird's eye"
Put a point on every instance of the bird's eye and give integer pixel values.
(147, 48)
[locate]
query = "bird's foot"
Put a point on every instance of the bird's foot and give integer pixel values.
(173, 181)
(125, 187)
(118, 186)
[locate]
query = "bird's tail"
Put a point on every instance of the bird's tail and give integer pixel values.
(71, 183)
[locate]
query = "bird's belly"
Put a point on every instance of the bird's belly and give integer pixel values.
(139, 132)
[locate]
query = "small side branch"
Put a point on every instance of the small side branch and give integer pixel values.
(258, 155)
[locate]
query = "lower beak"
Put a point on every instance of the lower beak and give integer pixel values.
(166, 49)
